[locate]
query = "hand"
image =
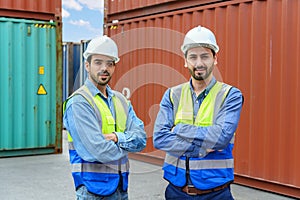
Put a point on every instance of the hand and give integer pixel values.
(111, 136)
(177, 127)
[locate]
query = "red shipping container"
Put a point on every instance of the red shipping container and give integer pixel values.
(259, 53)
(31, 9)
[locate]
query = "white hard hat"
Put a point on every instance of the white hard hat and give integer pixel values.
(102, 45)
(199, 36)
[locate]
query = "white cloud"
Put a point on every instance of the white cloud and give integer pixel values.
(80, 23)
(93, 4)
(85, 24)
(65, 13)
(72, 4)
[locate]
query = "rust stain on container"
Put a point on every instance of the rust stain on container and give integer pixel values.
(259, 53)
(31, 9)
(59, 89)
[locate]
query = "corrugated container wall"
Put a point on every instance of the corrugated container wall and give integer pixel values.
(259, 53)
(31, 9)
(126, 9)
(74, 73)
(28, 78)
(31, 77)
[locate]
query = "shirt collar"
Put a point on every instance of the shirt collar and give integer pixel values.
(207, 89)
(94, 90)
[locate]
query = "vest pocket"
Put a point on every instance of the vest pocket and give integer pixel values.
(213, 173)
(101, 184)
(210, 178)
(174, 175)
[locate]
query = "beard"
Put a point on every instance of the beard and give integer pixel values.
(99, 80)
(204, 74)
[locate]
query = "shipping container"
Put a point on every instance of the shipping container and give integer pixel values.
(259, 53)
(71, 66)
(31, 87)
(74, 73)
(31, 9)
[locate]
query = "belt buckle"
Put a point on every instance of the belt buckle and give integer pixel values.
(188, 190)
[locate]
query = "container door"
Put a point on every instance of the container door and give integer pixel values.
(28, 87)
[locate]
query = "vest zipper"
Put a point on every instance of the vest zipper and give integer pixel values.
(187, 170)
(120, 174)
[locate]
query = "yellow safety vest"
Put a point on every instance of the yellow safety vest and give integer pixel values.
(205, 115)
(109, 124)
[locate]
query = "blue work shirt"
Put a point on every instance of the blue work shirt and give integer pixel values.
(197, 141)
(82, 123)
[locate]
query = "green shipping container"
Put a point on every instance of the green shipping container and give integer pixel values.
(30, 87)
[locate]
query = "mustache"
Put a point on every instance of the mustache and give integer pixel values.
(200, 68)
(106, 73)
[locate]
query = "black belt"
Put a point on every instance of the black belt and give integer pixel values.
(191, 190)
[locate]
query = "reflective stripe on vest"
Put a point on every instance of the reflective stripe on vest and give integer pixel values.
(215, 168)
(100, 168)
(199, 164)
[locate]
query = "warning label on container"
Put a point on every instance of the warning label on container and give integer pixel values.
(41, 90)
(41, 70)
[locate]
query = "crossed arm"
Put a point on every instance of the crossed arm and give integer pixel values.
(197, 141)
(89, 141)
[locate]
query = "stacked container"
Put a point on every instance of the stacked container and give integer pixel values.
(259, 46)
(74, 73)
(30, 78)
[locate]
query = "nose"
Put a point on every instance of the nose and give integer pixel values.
(198, 61)
(103, 66)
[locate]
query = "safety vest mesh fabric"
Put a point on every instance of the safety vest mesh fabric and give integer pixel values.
(101, 178)
(216, 168)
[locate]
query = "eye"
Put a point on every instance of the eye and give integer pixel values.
(204, 57)
(193, 57)
(109, 64)
(98, 62)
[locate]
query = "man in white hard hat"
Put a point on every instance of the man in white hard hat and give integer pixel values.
(196, 125)
(102, 128)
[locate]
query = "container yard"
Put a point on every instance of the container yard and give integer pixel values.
(259, 44)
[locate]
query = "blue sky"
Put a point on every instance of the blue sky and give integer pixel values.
(82, 19)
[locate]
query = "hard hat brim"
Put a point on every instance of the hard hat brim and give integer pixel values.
(185, 48)
(87, 54)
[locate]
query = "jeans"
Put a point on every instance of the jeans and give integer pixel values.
(83, 194)
(173, 193)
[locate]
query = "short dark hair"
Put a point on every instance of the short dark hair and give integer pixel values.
(89, 59)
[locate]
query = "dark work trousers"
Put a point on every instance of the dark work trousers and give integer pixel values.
(173, 193)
